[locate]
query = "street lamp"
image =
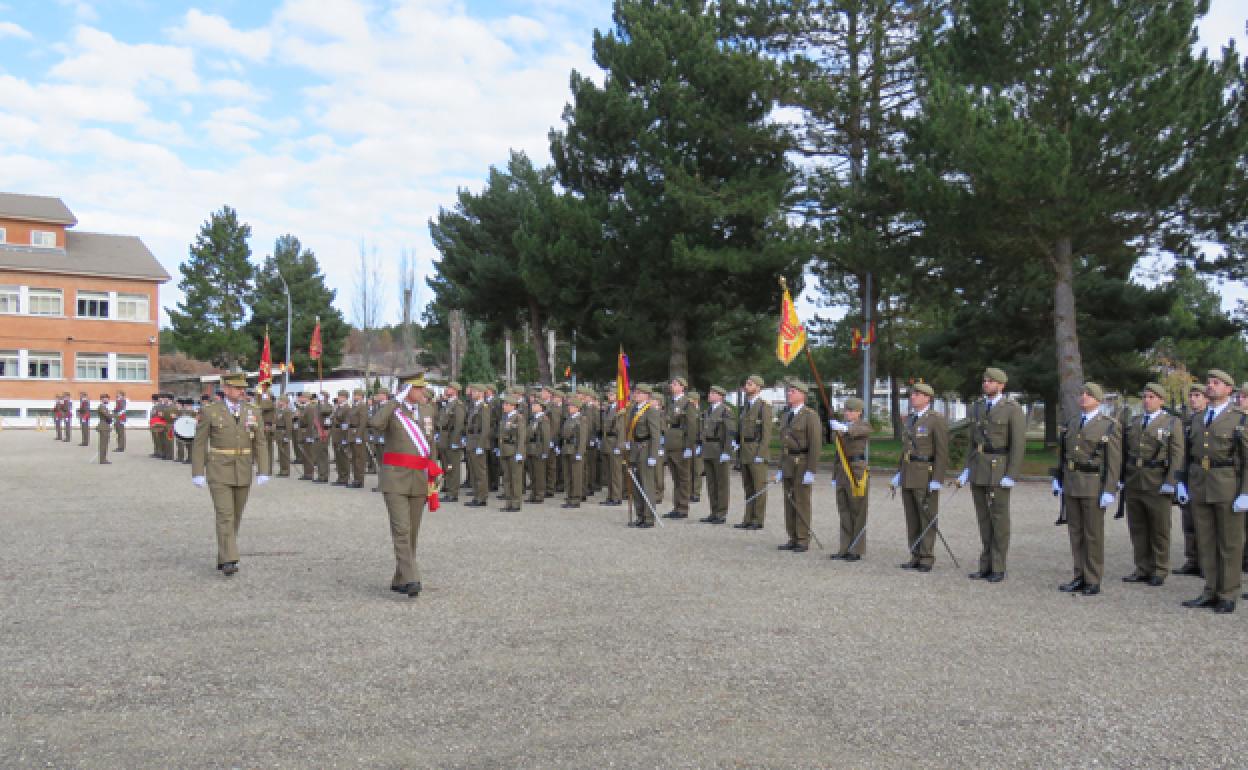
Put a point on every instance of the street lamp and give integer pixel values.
(286, 368)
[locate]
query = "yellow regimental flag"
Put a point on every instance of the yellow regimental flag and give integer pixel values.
(792, 337)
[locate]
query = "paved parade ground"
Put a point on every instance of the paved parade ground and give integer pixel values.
(559, 637)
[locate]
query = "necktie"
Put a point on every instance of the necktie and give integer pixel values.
(913, 419)
(1083, 421)
(1208, 417)
(1147, 417)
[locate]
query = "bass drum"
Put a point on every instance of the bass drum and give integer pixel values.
(184, 427)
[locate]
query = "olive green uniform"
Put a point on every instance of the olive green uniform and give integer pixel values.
(852, 509)
(1090, 461)
(642, 445)
(612, 455)
(512, 444)
(679, 438)
(104, 427)
(754, 427)
(223, 450)
(536, 454)
(573, 441)
(357, 440)
(924, 459)
(1152, 459)
(283, 429)
(119, 422)
(84, 421)
(404, 488)
(801, 439)
(451, 444)
(1215, 477)
(338, 441)
(554, 472)
(998, 442)
(268, 412)
(478, 447)
(717, 433)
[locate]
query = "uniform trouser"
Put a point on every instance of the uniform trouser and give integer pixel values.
(405, 515)
(615, 474)
(753, 479)
(660, 485)
(86, 432)
(603, 469)
(645, 477)
(342, 461)
(717, 477)
(1220, 541)
(797, 510)
(171, 444)
(282, 449)
(1085, 521)
(696, 467)
(157, 437)
(573, 477)
(513, 480)
(494, 468)
(104, 444)
(536, 466)
(359, 461)
(921, 506)
(271, 437)
(478, 470)
(451, 459)
(322, 459)
(853, 514)
(228, 502)
(682, 486)
(992, 511)
(121, 438)
(59, 431)
(552, 473)
(183, 450)
(69, 430)
(309, 457)
(1148, 521)
(591, 471)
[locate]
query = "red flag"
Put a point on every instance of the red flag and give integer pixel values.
(314, 350)
(621, 378)
(792, 336)
(266, 362)
(567, 371)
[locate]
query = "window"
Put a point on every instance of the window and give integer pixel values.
(10, 299)
(132, 307)
(93, 304)
(4, 238)
(43, 239)
(43, 366)
(46, 302)
(132, 369)
(9, 363)
(91, 366)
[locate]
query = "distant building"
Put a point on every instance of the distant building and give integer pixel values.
(79, 312)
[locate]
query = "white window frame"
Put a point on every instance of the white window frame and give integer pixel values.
(96, 297)
(142, 301)
(16, 293)
(39, 239)
(98, 360)
(38, 293)
(36, 357)
(15, 357)
(124, 362)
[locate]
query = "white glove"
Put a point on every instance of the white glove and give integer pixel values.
(479, 451)
(628, 445)
(896, 482)
(779, 475)
(1120, 486)
(1107, 499)
(359, 441)
(497, 453)
(578, 458)
(551, 445)
(545, 456)
(698, 451)
(1241, 504)
(615, 451)
(651, 461)
(1166, 489)
(199, 481)
(1007, 482)
(1180, 494)
(838, 426)
(558, 451)
(808, 478)
(725, 457)
(735, 446)
(1057, 487)
(261, 480)
(933, 486)
(688, 453)
(833, 485)
(964, 477)
(661, 453)
(759, 460)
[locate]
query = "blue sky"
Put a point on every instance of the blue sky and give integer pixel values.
(341, 121)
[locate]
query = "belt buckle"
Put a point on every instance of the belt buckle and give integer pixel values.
(1139, 462)
(905, 457)
(1070, 465)
(1205, 463)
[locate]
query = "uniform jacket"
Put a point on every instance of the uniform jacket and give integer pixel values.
(310, 422)
(513, 435)
(84, 410)
(105, 416)
(574, 435)
(754, 427)
(1152, 455)
(1215, 457)
(801, 438)
(119, 411)
(717, 430)
(538, 436)
(225, 446)
(268, 409)
(855, 443)
(397, 479)
(998, 441)
(924, 450)
(341, 423)
(680, 425)
(642, 431)
(477, 427)
(1090, 456)
(357, 422)
(451, 424)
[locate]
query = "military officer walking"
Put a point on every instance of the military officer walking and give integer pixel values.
(229, 442)
(801, 439)
(995, 459)
(1217, 486)
(754, 425)
(1089, 461)
(512, 444)
(849, 479)
(924, 459)
(1152, 459)
(408, 476)
(717, 434)
(104, 426)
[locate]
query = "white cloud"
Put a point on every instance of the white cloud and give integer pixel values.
(207, 31)
(11, 29)
(84, 12)
(97, 58)
(233, 90)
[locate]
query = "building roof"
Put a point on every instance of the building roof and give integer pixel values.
(35, 208)
(120, 256)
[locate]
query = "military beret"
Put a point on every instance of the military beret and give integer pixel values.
(235, 381)
(694, 395)
(455, 385)
(718, 389)
(684, 383)
(416, 382)
(1156, 389)
(996, 375)
(343, 393)
(537, 404)
(1218, 374)
(359, 392)
(1196, 387)
(103, 395)
(796, 384)
(1094, 390)
(757, 380)
(854, 404)
(642, 387)
(512, 399)
(924, 388)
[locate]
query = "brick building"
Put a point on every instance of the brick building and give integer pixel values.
(79, 312)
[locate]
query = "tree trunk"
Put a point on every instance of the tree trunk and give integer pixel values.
(458, 341)
(1069, 360)
(678, 364)
(539, 343)
(894, 406)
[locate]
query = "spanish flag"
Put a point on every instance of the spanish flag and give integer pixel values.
(266, 362)
(315, 349)
(621, 378)
(792, 336)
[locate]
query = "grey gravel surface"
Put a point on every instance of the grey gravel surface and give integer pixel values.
(561, 638)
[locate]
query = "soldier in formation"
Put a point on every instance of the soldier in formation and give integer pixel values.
(801, 439)
(924, 459)
(995, 459)
(849, 479)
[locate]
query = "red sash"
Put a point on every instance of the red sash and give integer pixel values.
(415, 462)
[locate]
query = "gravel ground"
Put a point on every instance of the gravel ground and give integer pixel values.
(561, 638)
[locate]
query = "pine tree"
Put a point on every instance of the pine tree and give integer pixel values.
(216, 281)
(476, 366)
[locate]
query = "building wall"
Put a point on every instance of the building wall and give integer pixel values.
(18, 233)
(70, 336)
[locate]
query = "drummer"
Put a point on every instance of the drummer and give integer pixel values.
(184, 429)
